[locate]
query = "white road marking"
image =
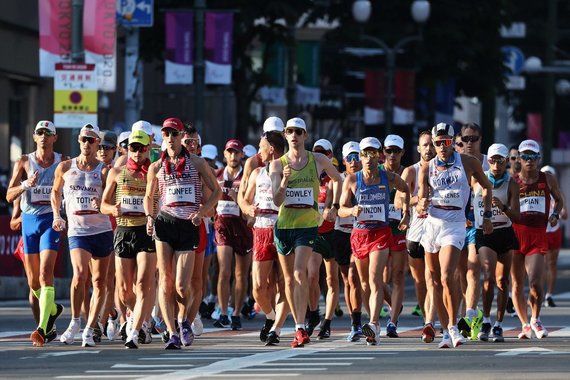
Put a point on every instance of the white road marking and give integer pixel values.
(120, 365)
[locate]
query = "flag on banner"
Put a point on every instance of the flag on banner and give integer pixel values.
(534, 126)
(444, 101)
(178, 68)
(374, 85)
(275, 93)
(55, 34)
(308, 56)
(99, 39)
(218, 47)
(404, 97)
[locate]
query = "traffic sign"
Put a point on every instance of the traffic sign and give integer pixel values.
(75, 95)
(135, 13)
(513, 59)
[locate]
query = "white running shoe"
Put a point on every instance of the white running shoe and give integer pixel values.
(445, 341)
(132, 340)
(526, 332)
(68, 337)
(87, 337)
(197, 326)
(456, 338)
(539, 330)
(113, 327)
(372, 333)
(148, 332)
(130, 323)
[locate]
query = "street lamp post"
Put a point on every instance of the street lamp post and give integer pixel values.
(361, 10)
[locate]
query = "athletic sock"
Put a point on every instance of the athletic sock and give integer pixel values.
(37, 293)
(270, 315)
(486, 319)
(46, 303)
(326, 324)
(471, 313)
(356, 318)
(498, 323)
(299, 326)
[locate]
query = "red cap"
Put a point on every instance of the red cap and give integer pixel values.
(173, 123)
(234, 144)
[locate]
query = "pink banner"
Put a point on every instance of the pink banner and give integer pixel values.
(218, 47)
(534, 126)
(404, 97)
(55, 34)
(99, 39)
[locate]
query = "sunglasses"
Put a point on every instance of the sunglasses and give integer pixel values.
(41, 132)
(138, 148)
(297, 131)
(353, 157)
(459, 144)
(445, 142)
(513, 158)
(471, 138)
(124, 144)
(106, 147)
(370, 154)
(170, 133)
(393, 151)
(530, 157)
(190, 141)
(497, 160)
(87, 139)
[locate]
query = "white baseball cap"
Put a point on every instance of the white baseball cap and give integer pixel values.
(529, 145)
(548, 169)
(498, 150)
(296, 122)
(370, 142)
(442, 129)
(124, 136)
(273, 123)
(394, 140)
(90, 128)
(142, 126)
(323, 143)
(249, 150)
(209, 151)
(45, 124)
(350, 147)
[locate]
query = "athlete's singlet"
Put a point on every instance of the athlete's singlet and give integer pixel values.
(36, 201)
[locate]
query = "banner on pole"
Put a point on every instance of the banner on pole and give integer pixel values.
(99, 39)
(308, 56)
(178, 66)
(404, 97)
(274, 92)
(55, 34)
(218, 47)
(75, 95)
(374, 85)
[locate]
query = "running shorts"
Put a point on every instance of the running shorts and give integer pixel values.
(532, 241)
(324, 245)
(364, 241)
(129, 241)
(287, 239)
(98, 245)
(502, 240)
(398, 242)
(343, 249)
(38, 234)
(182, 235)
(554, 239)
(415, 249)
(470, 235)
(234, 233)
(263, 244)
(203, 238)
(440, 233)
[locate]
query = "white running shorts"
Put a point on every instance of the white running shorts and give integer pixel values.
(440, 233)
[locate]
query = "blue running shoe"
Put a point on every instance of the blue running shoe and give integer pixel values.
(391, 330)
(173, 343)
(186, 334)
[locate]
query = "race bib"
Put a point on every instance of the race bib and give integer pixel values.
(132, 205)
(299, 197)
(227, 208)
(346, 222)
(448, 199)
(533, 204)
(394, 213)
(83, 206)
(40, 195)
(180, 196)
(372, 214)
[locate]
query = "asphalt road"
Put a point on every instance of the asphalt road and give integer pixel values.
(229, 354)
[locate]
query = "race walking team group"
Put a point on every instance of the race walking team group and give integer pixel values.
(144, 222)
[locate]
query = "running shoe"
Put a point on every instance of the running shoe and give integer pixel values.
(355, 334)
(247, 310)
(133, 340)
(147, 330)
(464, 326)
(173, 343)
(372, 333)
(265, 329)
(97, 333)
(197, 326)
(300, 339)
(87, 338)
(484, 333)
(539, 330)
(203, 310)
(314, 320)
(68, 337)
(324, 333)
(52, 318)
(222, 322)
(113, 326)
(338, 311)
(417, 311)
(123, 331)
(526, 332)
(391, 330)
(476, 324)
(236, 323)
(428, 333)
(445, 341)
(51, 335)
(186, 334)
(456, 338)
(498, 334)
(272, 339)
(165, 336)
(38, 337)
(549, 302)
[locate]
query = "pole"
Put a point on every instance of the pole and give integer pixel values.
(291, 109)
(548, 124)
(133, 77)
(77, 51)
(199, 66)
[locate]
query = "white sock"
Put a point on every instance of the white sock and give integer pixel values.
(533, 320)
(486, 319)
(470, 313)
(299, 326)
(270, 315)
(548, 295)
(498, 324)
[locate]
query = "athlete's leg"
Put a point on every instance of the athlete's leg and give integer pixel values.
(399, 261)
(502, 275)
(146, 267)
(518, 274)
(184, 264)
(99, 266)
(243, 264)
(448, 260)
(165, 255)
(225, 256)
(534, 265)
(488, 259)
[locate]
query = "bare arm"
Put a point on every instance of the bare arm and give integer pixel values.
(408, 176)
(248, 168)
(473, 165)
(423, 190)
(56, 195)
(108, 205)
(16, 219)
(17, 187)
(211, 183)
(248, 207)
(121, 161)
(346, 207)
(556, 195)
(400, 185)
(514, 209)
(279, 179)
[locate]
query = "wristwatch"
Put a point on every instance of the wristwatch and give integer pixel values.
(487, 215)
(336, 205)
(555, 214)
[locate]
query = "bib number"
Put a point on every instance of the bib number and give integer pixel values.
(299, 197)
(40, 195)
(132, 205)
(372, 214)
(180, 196)
(227, 208)
(533, 204)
